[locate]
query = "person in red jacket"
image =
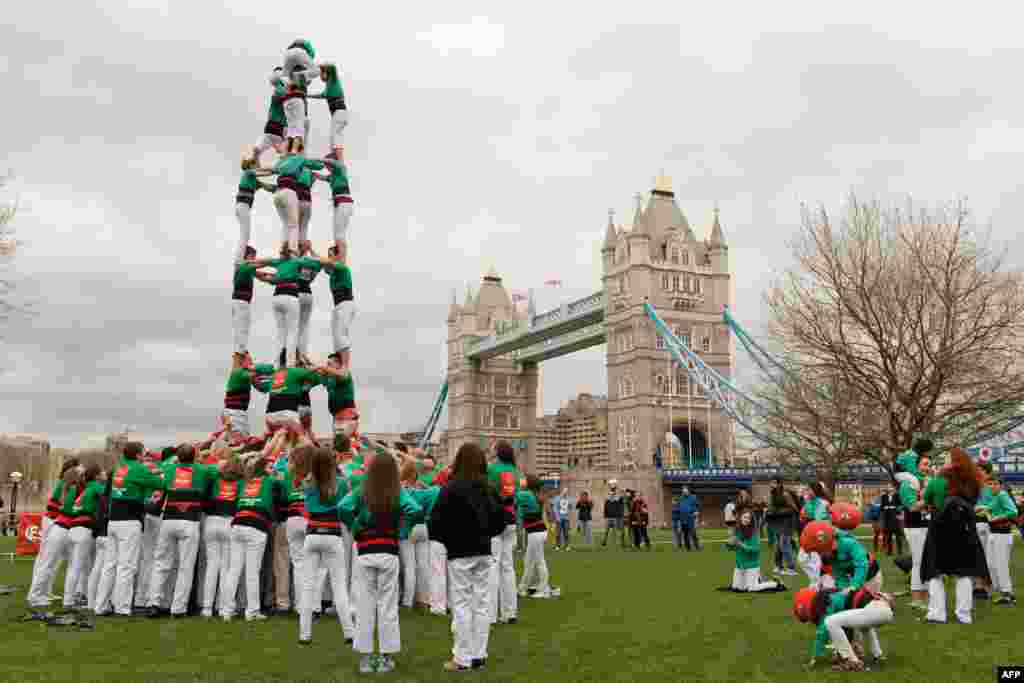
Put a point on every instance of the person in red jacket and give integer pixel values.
(641, 518)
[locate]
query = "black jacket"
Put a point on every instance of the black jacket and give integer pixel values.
(952, 546)
(614, 507)
(466, 516)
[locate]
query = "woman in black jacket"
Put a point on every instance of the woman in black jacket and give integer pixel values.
(466, 516)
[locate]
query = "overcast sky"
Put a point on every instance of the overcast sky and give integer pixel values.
(475, 139)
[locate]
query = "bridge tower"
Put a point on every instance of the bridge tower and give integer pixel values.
(659, 258)
(492, 396)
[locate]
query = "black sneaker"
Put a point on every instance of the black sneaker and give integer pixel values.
(478, 663)
(303, 641)
(348, 641)
(151, 613)
(512, 620)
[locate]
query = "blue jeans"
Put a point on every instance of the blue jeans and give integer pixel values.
(677, 533)
(563, 533)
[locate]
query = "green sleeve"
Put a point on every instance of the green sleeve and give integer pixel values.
(1003, 507)
(908, 495)
(314, 164)
(410, 508)
(751, 545)
(820, 641)
(145, 478)
(348, 509)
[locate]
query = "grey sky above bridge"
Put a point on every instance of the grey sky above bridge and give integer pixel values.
(475, 140)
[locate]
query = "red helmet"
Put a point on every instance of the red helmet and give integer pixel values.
(846, 516)
(803, 603)
(817, 537)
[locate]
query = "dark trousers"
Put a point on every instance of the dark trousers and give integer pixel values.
(893, 531)
(617, 526)
(690, 537)
(640, 536)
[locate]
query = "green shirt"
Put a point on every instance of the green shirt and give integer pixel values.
(263, 376)
(85, 504)
(276, 112)
(293, 166)
(293, 381)
(339, 178)
(239, 381)
(748, 550)
(332, 86)
(850, 565)
(188, 486)
(341, 393)
(257, 499)
(249, 181)
(816, 510)
(287, 269)
(341, 276)
(908, 461)
(355, 473)
(1003, 507)
(935, 493)
(133, 480)
(358, 518)
(245, 273)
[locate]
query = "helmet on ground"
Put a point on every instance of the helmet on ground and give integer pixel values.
(817, 537)
(846, 516)
(803, 603)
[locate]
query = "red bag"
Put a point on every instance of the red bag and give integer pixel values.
(30, 533)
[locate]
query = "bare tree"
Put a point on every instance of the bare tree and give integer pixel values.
(895, 323)
(10, 304)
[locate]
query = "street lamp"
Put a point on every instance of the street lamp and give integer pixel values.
(15, 478)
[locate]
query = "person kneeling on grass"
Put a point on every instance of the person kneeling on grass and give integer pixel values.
(746, 577)
(833, 611)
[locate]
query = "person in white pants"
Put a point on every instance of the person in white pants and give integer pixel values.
(245, 272)
(53, 508)
(82, 519)
(147, 549)
(187, 486)
(258, 495)
(286, 312)
(915, 528)
(248, 186)
(309, 268)
(217, 541)
(344, 311)
(57, 546)
(535, 567)
(421, 549)
(129, 482)
(373, 515)
(341, 193)
(104, 568)
(868, 618)
(322, 544)
(465, 516)
(1003, 512)
(438, 579)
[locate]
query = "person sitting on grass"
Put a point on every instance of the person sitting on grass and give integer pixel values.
(746, 577)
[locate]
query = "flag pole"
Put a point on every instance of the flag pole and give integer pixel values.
(689, 419)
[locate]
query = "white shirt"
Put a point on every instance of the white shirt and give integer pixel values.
(730, 512)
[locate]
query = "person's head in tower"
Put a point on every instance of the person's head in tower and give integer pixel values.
(132, 450)
(250, 253)
(505, 453)
(305, 246)
(923, 448)
(186, 454)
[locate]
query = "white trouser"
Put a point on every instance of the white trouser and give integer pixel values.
(915, 539)
(750, 580)
(984, 533)
(305, 315)
(287, 204)
(58, 541)
(178, 538)
(869, 617)
(937, 599)
(241, 324)
(243, 212)
(471, 594)
(421, 545)
(810, 563)
(217, 542)
(44, 532)
(126, 537)
(295, 118)
(322, 551)
(286, 312)
(239, 420)
(502, 582)
(535, 568)
(1000, 547)
(342, 218)
(376, 589)
(438, 578)
(247, 546)
(295, 533)
(104, 568)
(339, 119)
(341, 325)
(147, 552)
(80, 565)
(305, 215)
(407, 553)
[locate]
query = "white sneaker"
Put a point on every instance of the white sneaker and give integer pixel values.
(385, 664)
(366, 664)
(556, 592)
(259, 616)
(226, 618)
(206, 614)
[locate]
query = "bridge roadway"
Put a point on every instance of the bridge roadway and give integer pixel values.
(573, 326)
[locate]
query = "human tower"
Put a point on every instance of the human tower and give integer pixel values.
(294, 268)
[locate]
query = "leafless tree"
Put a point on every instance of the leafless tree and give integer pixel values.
(11, 304)
(892, 324)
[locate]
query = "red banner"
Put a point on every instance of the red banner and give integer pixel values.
(30, 533)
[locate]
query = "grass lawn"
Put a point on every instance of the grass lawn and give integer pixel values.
(623, 616)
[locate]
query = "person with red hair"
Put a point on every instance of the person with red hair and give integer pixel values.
(952, 547)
